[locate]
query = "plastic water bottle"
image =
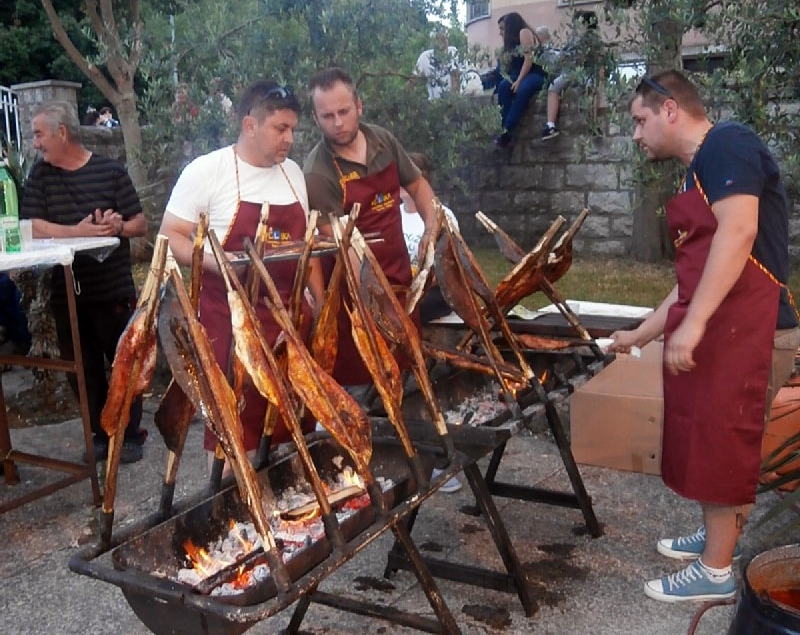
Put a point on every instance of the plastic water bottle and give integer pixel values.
(9, 212)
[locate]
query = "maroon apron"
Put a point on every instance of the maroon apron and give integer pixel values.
(379, 196)
(286, 222)
(714, 414)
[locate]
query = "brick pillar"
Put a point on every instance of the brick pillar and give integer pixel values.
(31, 94)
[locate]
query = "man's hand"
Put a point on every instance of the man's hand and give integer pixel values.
(91, 228)
(678, 354)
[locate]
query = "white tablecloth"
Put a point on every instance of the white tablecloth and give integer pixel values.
(49, 252)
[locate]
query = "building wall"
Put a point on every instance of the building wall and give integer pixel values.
(556, 15)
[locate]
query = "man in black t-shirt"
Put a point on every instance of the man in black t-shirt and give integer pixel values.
(73, 193)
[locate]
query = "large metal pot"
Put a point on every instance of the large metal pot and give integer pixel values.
(765, 605)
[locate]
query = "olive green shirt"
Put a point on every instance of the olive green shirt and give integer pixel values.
(322, 178)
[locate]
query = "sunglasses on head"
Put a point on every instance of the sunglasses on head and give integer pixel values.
(278, 92)
(281, 93)
(660, 89)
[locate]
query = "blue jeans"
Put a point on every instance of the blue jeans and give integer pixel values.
(513, 105)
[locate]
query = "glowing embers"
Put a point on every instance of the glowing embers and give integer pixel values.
(235, 562)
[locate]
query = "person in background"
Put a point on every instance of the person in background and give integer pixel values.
(106, 118)
(517, 77)
(356, 162)
(70, 193)
(432, 305)
(91, 117)
(439, 65)
(217, 97)
(587, 58)
(183, 108)
(231, 185)
(15, 339)
(730, 309)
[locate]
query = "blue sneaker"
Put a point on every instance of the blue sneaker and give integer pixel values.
(690, 584)
(688, 547)
(452, 486)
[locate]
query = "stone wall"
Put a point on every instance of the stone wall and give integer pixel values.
(524, 189)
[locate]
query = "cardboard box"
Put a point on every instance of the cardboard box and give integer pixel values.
(616, 417)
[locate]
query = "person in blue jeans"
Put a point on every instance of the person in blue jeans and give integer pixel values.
(517, 77)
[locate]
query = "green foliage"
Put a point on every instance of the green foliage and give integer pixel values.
(29, 52)
(376, 41)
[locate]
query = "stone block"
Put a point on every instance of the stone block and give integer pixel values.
(610, 202)
(602, 176)
(596, 226)
(568, 204)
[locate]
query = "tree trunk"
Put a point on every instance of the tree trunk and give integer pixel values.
(649, 228)
(132, 134)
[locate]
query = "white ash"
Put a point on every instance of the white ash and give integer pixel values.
(478, 408)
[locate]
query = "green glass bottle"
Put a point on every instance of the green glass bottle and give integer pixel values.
(9, 211)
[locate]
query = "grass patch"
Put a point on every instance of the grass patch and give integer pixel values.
(613, 280)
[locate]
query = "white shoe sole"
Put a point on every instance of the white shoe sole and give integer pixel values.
(673, 599)
(662, 546)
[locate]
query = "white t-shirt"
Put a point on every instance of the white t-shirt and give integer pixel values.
(437, 70)
(414, 227)
(208, 184)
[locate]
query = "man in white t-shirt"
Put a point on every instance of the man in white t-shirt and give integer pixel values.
(439, 65)
(232, 185)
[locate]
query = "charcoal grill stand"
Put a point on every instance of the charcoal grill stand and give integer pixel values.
(475, 443)
(578, 499)
(169, 607)
(53, 252)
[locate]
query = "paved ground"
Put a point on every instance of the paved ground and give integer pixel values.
(582, 585)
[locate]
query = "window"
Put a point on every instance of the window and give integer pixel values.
(569, 3)
(477, 9)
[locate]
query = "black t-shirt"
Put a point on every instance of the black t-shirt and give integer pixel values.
(734, 160)
(67, 197)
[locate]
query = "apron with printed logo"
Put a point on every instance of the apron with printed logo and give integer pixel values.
(714, 414)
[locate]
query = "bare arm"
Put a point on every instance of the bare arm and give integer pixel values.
(648, 330)
(527, 41)
(180, 234)
(422, 194)
(737, 226)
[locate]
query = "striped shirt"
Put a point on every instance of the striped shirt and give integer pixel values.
(66, 197)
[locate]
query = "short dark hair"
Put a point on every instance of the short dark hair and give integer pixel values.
(263, 97)
(327, 77)
(671, 84)
(105, 110)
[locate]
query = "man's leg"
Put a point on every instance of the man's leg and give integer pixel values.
(93, 363)
(723, 527)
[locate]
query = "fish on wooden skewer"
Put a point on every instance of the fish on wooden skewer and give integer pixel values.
(480, 286)
(396, 325)
(296, 314)
(175, 411)
(325, 336)
(256, 356)
(205, 383)
(330, 403)
(469, 361)
(508, 247)
(131, 372)
(379, 360)
(458, 292)
(424, 277)
(519, 284)
(524, 278)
